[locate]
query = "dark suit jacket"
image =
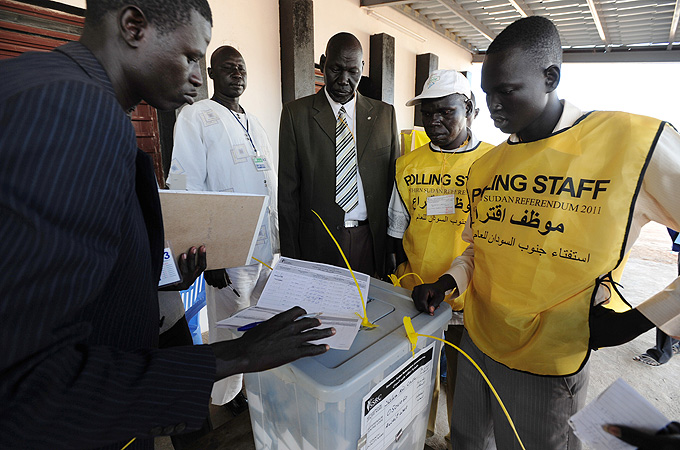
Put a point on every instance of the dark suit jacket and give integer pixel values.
(81, 240)
(307, 174)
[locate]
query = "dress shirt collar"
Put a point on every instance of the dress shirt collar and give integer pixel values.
(335, 106)
(570, 114)
(85, 59)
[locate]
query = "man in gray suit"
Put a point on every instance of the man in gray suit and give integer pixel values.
(337, 154)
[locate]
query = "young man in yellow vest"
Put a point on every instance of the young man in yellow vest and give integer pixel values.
(553, 211)
(429, 204)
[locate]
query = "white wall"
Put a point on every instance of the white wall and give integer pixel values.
(76, 3)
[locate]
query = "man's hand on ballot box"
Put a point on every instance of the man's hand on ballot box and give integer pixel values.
(190, 264)
(277, 341)
(428, 297)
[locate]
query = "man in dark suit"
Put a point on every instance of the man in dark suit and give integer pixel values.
(82, 239)
(315, 133)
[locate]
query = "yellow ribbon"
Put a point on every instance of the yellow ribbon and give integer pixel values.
(264, 264)
(397, 281)
(364, 320)
(413, 339)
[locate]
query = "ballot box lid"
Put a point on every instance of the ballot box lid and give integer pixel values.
(338, 374)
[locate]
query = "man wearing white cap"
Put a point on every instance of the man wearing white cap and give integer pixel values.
(429, 204)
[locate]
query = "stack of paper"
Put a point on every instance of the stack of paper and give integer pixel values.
(318, 288)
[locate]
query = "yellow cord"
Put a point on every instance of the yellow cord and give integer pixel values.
(397, 281)
(413, 339)
(364, 320)
(128, 444)
(448, 153)
(264, 264)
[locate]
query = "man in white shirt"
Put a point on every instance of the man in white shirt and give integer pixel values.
(220, 147)
(553, 212)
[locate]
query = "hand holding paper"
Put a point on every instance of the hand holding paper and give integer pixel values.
(618, 404)
(668, 438)
(190, 265)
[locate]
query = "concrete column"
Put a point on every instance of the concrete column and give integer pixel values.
(381, 69)
(296, 27)
(425, 64)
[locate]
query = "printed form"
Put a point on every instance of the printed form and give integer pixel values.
(318, 288)
(619, 404)
(390, 407)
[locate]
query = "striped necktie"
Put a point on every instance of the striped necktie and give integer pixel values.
(346, 193)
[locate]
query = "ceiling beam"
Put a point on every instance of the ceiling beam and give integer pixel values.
(598, 23)
(432, 25)
(468, 18)
(522, 8)
(674, 25)
(373, 13)
(619, 56)
(370, 3)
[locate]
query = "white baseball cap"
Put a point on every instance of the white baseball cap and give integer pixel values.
(441, 83)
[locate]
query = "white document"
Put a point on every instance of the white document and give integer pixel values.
(169, 272)
(391, 406)
(441, 204)
(619, 404)
(318, 288)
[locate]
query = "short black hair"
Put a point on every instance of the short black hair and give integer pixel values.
(343, 40)
(165, 15)
(535, 35)
(225, 49)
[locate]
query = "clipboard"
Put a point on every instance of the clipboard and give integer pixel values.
(227, 224)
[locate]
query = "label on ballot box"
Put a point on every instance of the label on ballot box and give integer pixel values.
(391, 406)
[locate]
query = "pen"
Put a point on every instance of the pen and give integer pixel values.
(254, 324)
(309, 316)
(248, 326)
(229, 285)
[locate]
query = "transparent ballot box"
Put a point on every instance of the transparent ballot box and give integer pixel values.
(320, 402)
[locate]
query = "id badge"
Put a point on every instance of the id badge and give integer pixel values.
(239, 153)
(261, 163)
(441, 204)
(170, 273)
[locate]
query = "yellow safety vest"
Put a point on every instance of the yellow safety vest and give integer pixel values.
(413, 139)
(549, 217)
(432, 242)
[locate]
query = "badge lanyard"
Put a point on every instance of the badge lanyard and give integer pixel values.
(446, 154)
(245, 128)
